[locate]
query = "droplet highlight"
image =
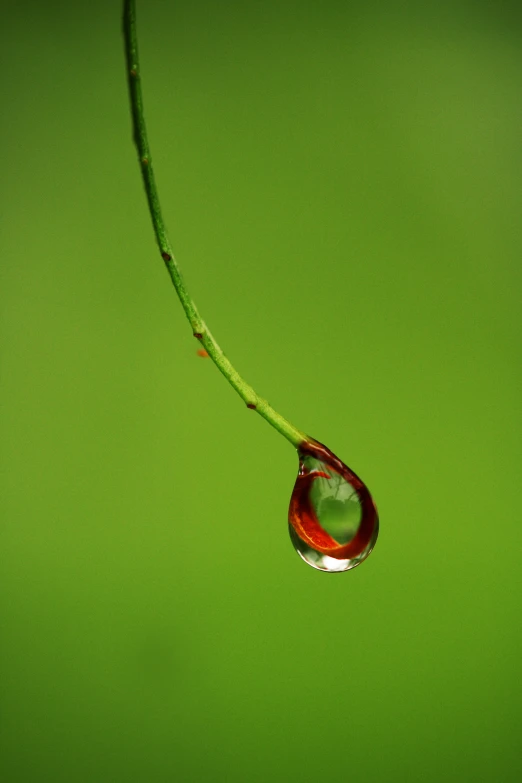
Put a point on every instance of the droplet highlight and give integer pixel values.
(333, 521)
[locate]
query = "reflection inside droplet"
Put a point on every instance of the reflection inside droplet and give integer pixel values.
(333, 521)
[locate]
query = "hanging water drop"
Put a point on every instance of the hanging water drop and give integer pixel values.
(332, 518)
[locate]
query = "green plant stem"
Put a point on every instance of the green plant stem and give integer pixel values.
(199, 327)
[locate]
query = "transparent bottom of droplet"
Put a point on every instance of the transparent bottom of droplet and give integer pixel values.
(330, 565)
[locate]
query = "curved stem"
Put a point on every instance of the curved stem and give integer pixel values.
(199, 328)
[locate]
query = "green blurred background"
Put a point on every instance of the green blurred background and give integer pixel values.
(342, 187)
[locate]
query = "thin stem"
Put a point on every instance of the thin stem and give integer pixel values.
(199, 327)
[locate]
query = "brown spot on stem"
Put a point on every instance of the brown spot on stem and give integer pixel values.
(251, 405)
(166, 256)
(198, 335)
(134, 73)
(144, 161)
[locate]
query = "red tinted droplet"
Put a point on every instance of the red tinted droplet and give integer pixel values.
(332, 518)
(201, 352)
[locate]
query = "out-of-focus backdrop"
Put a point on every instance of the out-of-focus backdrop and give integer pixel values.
(342, 185)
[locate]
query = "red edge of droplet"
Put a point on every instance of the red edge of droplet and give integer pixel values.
(304, 520)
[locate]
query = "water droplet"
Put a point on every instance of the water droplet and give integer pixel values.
(332, 518)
